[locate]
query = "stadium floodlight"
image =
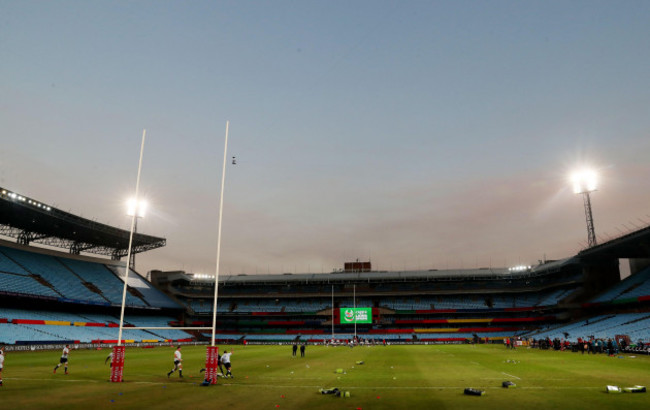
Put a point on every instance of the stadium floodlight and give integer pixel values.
(136, 208)
(584, 183)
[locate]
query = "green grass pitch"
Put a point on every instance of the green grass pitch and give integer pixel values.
(268, 377)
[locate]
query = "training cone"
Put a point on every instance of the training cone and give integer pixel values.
(347, 394)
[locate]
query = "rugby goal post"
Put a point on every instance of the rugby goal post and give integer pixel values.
(212, 351)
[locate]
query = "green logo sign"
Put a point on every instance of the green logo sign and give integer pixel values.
(355, 315)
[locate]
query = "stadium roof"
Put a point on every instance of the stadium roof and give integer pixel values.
(349, 277)
(29, 221)
(635, 244)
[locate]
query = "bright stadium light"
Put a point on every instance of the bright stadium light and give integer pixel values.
(584, 182)
(136, 207)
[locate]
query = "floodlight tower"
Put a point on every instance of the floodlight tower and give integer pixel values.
(584, 182)
(135, 209)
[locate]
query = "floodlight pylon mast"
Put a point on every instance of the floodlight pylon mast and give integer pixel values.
(216, 277)
(591, 232)
(128, 256)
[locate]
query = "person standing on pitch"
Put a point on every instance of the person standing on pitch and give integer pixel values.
(2, 363)
(294, 349)
(109, 357)
(178, 363)
(225, 359)
(302, 350)
(64, 359)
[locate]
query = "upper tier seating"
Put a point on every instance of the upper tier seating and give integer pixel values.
(79, 281)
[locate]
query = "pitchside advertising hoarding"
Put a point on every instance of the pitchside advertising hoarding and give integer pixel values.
(355, 315)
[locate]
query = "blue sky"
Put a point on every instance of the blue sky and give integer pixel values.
(417, 134)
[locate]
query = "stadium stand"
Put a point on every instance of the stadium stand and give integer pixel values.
(66, 298)
(418, 306)
(50, 296)
(24, 326)
(29, 272)
(635, 286)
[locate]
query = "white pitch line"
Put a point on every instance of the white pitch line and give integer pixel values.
(303, 386)
(52, 380)
(416, 387)
(509, 375)
(290, 378)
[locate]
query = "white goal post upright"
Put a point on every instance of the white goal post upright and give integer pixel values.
(117, 364)
(128, 256)
(216, 276)
(212, 352)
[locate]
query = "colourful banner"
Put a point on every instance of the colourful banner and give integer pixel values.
(355, 315)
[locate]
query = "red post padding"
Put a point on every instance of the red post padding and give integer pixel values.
(211, 364)
(117, 365)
